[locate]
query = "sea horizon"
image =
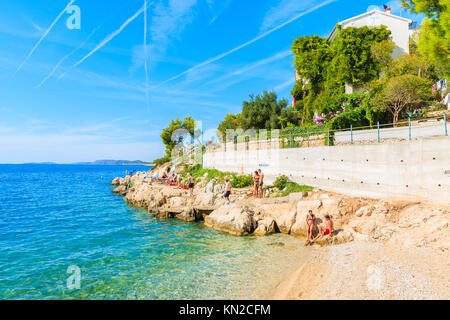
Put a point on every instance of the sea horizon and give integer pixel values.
(68, 218)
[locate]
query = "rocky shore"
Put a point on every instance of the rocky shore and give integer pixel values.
(375, 223)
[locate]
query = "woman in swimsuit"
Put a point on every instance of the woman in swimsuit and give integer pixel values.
(261, 183)
(310, 223)
(328, 229)
(256, 184)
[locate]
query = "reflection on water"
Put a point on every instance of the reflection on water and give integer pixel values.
(57, 216)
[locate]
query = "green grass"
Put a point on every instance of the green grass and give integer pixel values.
(243, 181)
(237, 181)
(292, 187)
(287, 187)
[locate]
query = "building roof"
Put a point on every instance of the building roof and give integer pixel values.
(368, 13)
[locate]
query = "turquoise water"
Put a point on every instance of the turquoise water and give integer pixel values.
(56, 216)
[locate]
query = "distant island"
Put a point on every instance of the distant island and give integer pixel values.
(116, 163)
(105, 163)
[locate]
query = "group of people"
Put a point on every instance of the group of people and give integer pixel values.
(324, 229)
(258, 180)
(175, 180)
(131, 173)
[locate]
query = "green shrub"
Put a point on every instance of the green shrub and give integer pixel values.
(292, 187)
(355, 117)
(281, 182)
(161, 161)
(415, 114)
(198, 171)
(241, 181)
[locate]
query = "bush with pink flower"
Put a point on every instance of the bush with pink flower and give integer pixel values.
(319, 120)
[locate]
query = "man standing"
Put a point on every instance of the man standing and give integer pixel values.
(227, 190)
(191, 184)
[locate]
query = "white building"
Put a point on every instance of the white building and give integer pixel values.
(399, 27)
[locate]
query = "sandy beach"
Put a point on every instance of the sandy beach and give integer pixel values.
(365, 270)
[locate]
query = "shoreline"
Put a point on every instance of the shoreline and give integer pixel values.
(369, 271)
(351, 264)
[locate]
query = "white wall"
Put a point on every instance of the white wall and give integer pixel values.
(398, 27)
(415, 170)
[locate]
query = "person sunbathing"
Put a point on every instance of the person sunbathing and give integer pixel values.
(154, 178)
(325, 230)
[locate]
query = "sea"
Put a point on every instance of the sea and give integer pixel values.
(64, 235)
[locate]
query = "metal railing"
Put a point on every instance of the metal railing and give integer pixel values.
(406, 129)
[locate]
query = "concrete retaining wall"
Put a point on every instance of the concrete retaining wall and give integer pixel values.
(418, 169)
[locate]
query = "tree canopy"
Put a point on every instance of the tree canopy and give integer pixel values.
(324, 68)
(405, 91)
(264, 111)
(434, 38)
(167, 134)
(231, 121)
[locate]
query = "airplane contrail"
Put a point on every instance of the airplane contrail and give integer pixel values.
(66, 56)
(220, 56)
(43, 37)
(145, 56)
(112, 35)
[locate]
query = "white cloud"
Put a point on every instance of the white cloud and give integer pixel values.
(284, 10)
(261, 36)
(285, 84)
(113, 34)
(167, 21)
(246, 70)
(60, 62)
(217, 8)
(43, 37)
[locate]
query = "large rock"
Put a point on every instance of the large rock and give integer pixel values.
(138, 195)
(115, 182)
(265, 226)
(209, 188)
(219, 188)
(122, 190)
(177, 202)
(234, 219)
(171, 192)
(189, 215)
(283, 213)
(342, 236)
(365, 211)
(205, 199)
(155, 201)
(330, 207)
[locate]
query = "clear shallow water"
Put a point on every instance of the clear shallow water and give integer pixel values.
(55, 216)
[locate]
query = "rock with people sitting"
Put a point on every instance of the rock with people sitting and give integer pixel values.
(319, 217)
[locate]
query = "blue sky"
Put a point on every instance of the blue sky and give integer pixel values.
(82, 95)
